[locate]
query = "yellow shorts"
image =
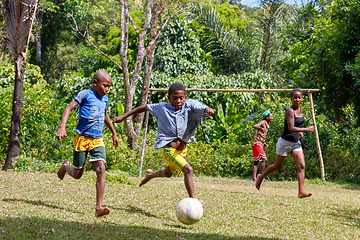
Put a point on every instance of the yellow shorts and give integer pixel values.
(175, 159)
(84, 145)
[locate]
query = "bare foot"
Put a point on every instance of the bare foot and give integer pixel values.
(102, 212)
(258, 182)
(304, 195)
(62, 170)
(146, 178)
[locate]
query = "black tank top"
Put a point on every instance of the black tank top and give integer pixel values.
(292, 136)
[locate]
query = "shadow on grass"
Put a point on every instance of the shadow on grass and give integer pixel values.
(37, 228)
(38, 203)
(349, 217)
(132, 209)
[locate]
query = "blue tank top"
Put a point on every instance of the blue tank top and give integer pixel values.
(292, 136)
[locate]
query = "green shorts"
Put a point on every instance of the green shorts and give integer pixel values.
(96, 154)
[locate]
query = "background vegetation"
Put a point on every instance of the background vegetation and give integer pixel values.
(216, 44)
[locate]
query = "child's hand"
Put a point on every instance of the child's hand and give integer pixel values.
(209, 111)
(311, 128)
(118, 119)
(301, 134)
(115, 140)
(61, 134)
(265, 145)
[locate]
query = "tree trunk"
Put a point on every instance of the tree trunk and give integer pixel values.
(38, 40)
(267, 47)
(130, 87)
(14, 139)
(129, 94)
(148, 65)
(153, 12)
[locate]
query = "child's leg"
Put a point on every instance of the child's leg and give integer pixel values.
(164, 172)
(254, 169)
(262, 165)
(75, 171)
(279, 160)
(66, 168)
(100, 188)
(298, 156)
(188, 179)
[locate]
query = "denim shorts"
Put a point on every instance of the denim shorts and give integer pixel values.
(283, 147)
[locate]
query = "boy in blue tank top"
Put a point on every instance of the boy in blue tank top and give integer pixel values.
(177, 122)
(92, 116)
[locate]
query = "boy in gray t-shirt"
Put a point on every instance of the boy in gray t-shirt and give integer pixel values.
(177, 122)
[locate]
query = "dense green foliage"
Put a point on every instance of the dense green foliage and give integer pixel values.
(314, 46)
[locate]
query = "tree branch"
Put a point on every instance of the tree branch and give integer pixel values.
(165, 23)
(86, 36)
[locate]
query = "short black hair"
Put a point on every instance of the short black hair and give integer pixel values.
(176, 87)
(296, 90)
(99, 74)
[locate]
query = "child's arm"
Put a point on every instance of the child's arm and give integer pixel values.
(130, 113)
(111, 127)
(61, 133)
(290, 117)
(259, 125)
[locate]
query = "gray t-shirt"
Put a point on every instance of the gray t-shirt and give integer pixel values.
(174, 124)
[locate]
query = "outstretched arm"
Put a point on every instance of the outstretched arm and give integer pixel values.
(130, 113)
(111, 127)
(61, 133)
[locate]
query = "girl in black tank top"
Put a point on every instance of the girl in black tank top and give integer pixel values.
(289, 143)
(292, 136)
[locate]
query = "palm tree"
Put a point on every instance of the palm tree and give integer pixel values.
(230, 51)
(19, 17)
(276, 15)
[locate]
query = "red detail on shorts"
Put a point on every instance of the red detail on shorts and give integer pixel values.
(258, 153)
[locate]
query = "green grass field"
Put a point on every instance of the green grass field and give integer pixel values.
(39, 206)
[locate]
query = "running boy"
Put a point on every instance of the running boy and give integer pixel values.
(92, 115)
(177, 122)
(258, 143)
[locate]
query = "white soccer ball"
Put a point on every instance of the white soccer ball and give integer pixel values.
(189, 211)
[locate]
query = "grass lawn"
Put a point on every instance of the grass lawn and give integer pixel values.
(40, 206)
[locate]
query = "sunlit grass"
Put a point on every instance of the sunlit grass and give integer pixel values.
(38, 205)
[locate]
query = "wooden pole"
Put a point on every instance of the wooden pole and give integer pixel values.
(143, 144)
(316, 136)
(234, 90)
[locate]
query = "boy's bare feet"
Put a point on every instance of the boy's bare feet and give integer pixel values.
(258, 182)
(102, 212)
(146, 178)
(304, 195)
(62, 170)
